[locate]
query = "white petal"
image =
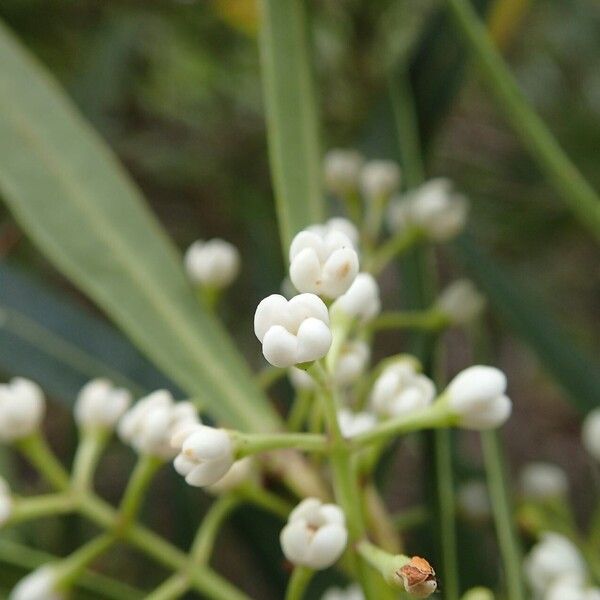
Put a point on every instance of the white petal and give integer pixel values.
(314, 341)
(305, 271)
(268, 313)
(280, 347)
(295, 538)
(326, 546)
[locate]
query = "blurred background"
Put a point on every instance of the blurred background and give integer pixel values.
(174, 87)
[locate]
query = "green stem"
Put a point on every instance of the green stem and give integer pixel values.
(576, 191)
(428, 320)
(298, 583)
(140, 479)
(299, 411)
(386, 563)
(254, 443)
(264, 499)
(446, 513)
(37, 451)
(505, 530)
(27, 509)
(172, 588)
(211, 524)
(87, 456)
(393, 248)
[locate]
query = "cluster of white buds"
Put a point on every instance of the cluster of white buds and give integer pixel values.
(315, 535)
(354, 423)
(324, 263)
(206, 454)
(37, 585)
(361, 301)
(342, 171)
(379, 179)
(477, 396)
(292, 332)
(571, 588)
(353, 592)
(100, 405)
(242, 471)
(6, 501)
(352, 361)
(401, 389)
(552, 559)
(543, 481)
(214, 263)
(473, 500)
(22, 408)
(591, 434)
(434, 208)
(460, 302)
(339, 224)
(152, 422)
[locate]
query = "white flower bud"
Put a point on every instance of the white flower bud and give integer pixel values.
(474, 501)
(352, 361)
(354, 592)
(241, 472)
(352, 423)
(461, 302)
(325, 265)
(379, 179)
(400, 390)
(542, 481)
(337, 224)
(152, 422)
(477, 396)
(342, 170)
(100, 404)
(215, 263)
(315, 535)
(361, 301)
(439, 211)
(38, 585)
(399, 213)
(591, 433)
(478, 593)
(551, 559)
(292, 332)
(22, 408)
(300, 379)
(206, 456)
(6, 501)
(571, 588)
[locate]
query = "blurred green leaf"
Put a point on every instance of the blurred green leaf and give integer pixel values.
(76, 202)
(576, 372)
(291, 116)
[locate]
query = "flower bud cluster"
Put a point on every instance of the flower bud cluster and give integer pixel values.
(543, 481)
(214, 263)
(100, 404)
(22, 408)
(353, 592)
(473, 500)
(460, 302)
(38, 585)
(361, 301)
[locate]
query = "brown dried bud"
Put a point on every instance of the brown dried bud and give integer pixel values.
(418, 577)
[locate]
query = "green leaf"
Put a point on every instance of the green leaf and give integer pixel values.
(577, 373)
(76, 202)
(291, 116)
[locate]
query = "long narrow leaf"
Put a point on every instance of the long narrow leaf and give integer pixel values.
(78, 205)
(578, 374)
(291, 116)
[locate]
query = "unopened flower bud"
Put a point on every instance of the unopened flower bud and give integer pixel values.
(418, 577)
(352, 361)
(100, 404)
(571, 588)
(38, 585)
(6, 501)
(337, 224)
(206, 456)
(342, 170)
(477, 396)
(353, 592)
(22, 408)
(473, 500)
(292, 332)
(325, 265)
(551, 559)
(438, 210)
(352, 423)
(478, 593)
(379, 179)
(315, 535)
(591, 433)
(214, 263)
(400, 390)
(543, 481)
(241, 472)
(460, 302)
(361, 301)
(152, 422)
